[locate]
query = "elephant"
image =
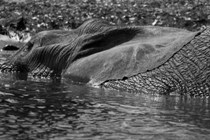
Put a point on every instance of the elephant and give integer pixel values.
(148, 59)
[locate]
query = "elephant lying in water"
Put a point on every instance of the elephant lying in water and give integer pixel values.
(137, 59)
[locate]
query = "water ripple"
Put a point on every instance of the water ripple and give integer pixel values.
(48, 110)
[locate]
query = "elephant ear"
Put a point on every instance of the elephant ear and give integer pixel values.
(146, 49)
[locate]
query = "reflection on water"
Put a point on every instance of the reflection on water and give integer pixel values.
(52, 110)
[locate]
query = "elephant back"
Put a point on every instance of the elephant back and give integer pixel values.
(126, 52)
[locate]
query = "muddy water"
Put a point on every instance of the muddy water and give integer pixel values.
(41, 109)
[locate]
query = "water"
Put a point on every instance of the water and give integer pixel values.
(42, 109)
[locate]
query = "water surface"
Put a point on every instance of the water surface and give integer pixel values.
(43, 109)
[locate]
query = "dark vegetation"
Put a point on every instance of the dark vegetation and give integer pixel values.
(37, 15)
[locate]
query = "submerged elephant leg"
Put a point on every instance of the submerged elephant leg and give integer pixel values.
(188, 71)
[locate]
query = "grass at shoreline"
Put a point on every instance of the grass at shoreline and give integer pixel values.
(59, 14)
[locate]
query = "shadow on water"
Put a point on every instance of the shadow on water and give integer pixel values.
(53, 110)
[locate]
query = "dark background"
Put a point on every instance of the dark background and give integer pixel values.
(64, 14)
